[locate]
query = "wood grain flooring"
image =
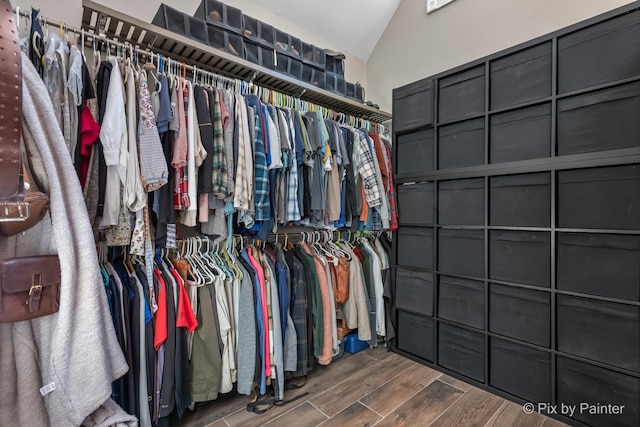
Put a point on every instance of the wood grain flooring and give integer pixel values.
(373, 388)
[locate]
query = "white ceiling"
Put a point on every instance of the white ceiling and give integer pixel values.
(353, 25)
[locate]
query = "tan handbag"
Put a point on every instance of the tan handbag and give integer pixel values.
(29, 286)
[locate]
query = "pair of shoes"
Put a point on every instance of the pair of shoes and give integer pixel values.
(371, 104)
(296, 382)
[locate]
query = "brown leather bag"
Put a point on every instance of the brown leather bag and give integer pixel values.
(16, 217)
(30, 287)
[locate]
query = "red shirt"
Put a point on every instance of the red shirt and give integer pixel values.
(160, 332)
(185, 317)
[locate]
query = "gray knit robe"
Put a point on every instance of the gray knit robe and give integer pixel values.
(75, 351)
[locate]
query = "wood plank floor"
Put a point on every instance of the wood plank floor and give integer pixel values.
(374, 387)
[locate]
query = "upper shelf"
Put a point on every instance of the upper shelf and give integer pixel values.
(125, 28)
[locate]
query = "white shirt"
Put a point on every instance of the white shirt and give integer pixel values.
(113, 135)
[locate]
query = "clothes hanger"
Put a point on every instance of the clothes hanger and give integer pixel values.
(232, 262)
(207, 275)
(195, 274)
(102, 248)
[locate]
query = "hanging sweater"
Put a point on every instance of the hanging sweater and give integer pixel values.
(76, 349)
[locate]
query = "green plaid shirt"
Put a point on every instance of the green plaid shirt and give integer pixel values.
(219, 175)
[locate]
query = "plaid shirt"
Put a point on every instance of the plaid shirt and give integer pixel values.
(261, 174)
(292, 206)
(299, 309)
(366, 168)
(180, 193)
(218, 156)
(181, 190)
(244, 168)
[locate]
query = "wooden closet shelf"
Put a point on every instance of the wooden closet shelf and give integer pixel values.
(145, 36)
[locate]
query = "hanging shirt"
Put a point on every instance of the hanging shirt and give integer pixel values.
(191, 149)
(367, 170)
(228, 123)
(224, 329)
(243, 190)
(185, 317)
(134, 194)
(113, 135)
(218, 157)
(153, 165)
(262, 203)
(180, 151)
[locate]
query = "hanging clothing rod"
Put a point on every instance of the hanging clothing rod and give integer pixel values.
(169, 64)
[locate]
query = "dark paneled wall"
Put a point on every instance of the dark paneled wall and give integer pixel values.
(518, 254)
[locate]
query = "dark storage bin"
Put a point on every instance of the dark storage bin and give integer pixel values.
(221, 15)
(197, 30)
(415, 152)
(313, 56)
(258, 32)
(415, 335)
(461, 300)
(415, 204)
(461, 95)
(414, 291)
(603, 120)
(259, 55)
(355, 92)
(461, 252)
(335, 65)
(290, 66)
(313, 76)
(520, 200)
(288, 45)
(461, 202)
(521, 135)
(520, 256)
(181, 23)
(521, 371)
(461, 144)
(336, 84)
(521, 77)
(412, 106)
(600, 264)
(415, 247)
(604, 198)
(224, 40)
(461, 351)
(603, 331)
(582, 383)
(523, 314)
(171, 19)
(602, 53)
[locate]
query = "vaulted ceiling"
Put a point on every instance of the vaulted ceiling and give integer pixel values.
(353, 25)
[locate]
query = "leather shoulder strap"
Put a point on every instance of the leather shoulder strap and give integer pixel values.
(10, 105)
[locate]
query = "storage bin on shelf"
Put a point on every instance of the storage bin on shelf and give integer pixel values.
(221, 15)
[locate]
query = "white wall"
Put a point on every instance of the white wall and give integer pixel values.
(70, 11)
(416, 45)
